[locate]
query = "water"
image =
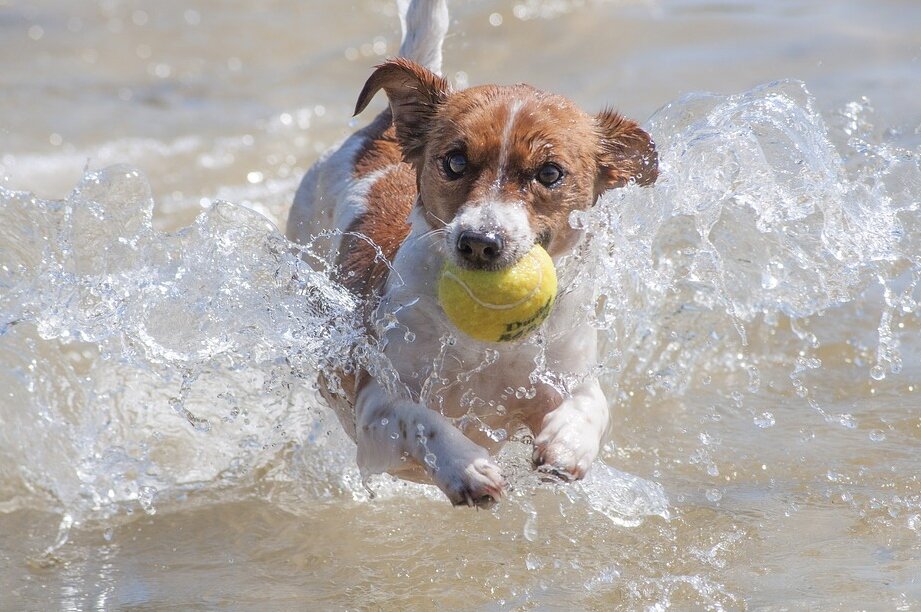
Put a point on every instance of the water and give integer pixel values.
(162, 443)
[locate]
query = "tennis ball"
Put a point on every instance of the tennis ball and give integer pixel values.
(499, 305)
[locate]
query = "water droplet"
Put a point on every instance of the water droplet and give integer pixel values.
(532, 562)
(877, 372)
(877, 435)
(914, 522)
(847, 420)
(764, 420)
(146, 499)
(754, 379)
(578, 220)
(768, 281)
(530, 527)
(714, 495)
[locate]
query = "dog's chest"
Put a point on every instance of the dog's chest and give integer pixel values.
(484, 382)
(459, 376)
(456, 374)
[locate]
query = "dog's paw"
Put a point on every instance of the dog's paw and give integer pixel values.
(566, 445)
(475, 482)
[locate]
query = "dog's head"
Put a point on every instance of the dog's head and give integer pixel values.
(502, 168)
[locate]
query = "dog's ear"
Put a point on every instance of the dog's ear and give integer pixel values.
(414, 93)
(626, 152)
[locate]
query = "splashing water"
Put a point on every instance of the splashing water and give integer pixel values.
(757, 224)
(140, 365)
(127, 345)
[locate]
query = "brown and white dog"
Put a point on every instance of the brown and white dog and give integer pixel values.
(478, 176)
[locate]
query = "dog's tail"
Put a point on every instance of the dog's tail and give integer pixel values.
(424, 24)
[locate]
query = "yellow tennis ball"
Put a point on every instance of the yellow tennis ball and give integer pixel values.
(499, 305)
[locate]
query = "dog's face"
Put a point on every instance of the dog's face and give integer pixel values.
(502, 168)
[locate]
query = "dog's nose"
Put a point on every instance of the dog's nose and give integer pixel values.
(480, 249)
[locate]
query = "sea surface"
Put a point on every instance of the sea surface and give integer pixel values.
(162, 444)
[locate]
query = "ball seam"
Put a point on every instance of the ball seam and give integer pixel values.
(537, 286)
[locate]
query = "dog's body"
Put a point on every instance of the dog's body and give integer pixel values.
(479, 176)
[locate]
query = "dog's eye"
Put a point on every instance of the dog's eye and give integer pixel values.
(549, 175)
(455, 164)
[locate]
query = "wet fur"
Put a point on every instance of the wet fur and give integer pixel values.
(385, 189)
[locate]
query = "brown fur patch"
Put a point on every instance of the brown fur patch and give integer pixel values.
(627, 152)
(381, 148)
(373, 238)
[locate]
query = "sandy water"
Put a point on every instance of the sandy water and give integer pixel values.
(160, 441)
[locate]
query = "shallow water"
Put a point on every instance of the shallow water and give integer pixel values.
(160, 440)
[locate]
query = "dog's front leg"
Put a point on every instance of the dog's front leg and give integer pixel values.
(391, 432)
(570, 435)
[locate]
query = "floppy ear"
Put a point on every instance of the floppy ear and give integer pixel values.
(414, 94)
(627, 152)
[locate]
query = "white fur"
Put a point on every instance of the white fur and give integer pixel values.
(510, 219)
(506, 141)
(424, 24)
(328, 198)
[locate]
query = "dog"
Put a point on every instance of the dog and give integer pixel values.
(477, 176)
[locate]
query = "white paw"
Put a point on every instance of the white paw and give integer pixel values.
(470, 481)
(567, 444)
